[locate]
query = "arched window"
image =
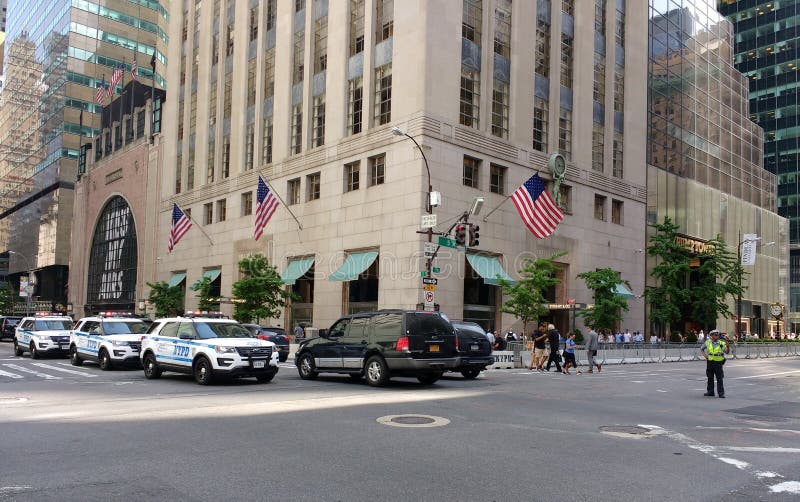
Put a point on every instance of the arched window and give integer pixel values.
(113, 259)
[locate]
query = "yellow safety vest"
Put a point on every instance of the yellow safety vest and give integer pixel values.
(715, 353)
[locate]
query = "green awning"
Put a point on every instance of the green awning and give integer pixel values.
(489, 268)
(624, 292)
(211, 274)
(354, 264)
(176, 279)
(296, 269)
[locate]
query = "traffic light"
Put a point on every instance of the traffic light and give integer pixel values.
(474, 236)
(461, 235)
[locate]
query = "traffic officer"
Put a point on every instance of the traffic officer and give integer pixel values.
(714, 351)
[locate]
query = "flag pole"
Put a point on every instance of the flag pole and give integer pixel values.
(485, 218)
(189, 215)
(153, 97)
(122, 99)
(282, 202)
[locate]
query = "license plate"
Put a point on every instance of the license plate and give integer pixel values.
(433, 348)
(64, 347)
(259, 364)
(474, 347)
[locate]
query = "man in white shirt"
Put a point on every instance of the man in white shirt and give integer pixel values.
(490, 336)
(627, 336)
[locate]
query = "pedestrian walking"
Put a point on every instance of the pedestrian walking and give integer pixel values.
(552, 338)
(298, 333)
(714, 351)
(591, 350)
(569, 354)
(539, 355)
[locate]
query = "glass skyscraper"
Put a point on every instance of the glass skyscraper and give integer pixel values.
(766, 52)
(57, 53)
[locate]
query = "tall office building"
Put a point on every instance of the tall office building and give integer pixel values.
(766, 50)
(705, 156)
(53, 71)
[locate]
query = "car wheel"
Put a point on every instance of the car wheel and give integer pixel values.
(74, 358)
(429, 378)
(34, 353)
(306, 367)
(104, 360)
(17, 350)
(470, 374)
(151, 368)
(203, 371)
(265, 378)
(356, 376)
(376, 371)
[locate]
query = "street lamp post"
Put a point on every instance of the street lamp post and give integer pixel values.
(28, 291)
(741, 274)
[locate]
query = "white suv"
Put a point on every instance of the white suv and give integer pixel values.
(42, 334)
(110, 339)
(206, 348)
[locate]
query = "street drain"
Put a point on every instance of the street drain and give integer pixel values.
(625, 431)
(12, 400)
(413, 421)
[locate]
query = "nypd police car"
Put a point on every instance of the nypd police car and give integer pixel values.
(42, 334)
(111, 339)
(206, 346)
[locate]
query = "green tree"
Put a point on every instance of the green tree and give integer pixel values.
(7, 298)
(260, 293)
(167, 300)
(719, 277)
(526, 299)
(203, 289)
(670, 297)
(608, 305)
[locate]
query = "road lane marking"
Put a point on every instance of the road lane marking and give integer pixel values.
(766, 375)
(65, 370)
(786, 487)
(761, 449)
(10, 375)
(754, 429)
(32, 372)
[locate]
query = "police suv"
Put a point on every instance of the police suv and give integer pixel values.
(110, 338)
(207, 346)
(42, 334)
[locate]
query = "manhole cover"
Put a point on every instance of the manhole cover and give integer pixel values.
(413, 421)
(12, 400)
(624, 429)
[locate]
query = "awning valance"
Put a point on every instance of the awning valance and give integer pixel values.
(489, 268)
(624, 292)
(176, 279)
(353, 265)
(211, 274)
(297, 268)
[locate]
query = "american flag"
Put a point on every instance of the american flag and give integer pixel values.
(101, 88)
(180, 225)
(134, 70)
(116, 77)
(536, 208)
(267, 204)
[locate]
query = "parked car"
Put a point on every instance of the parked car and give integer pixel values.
(111, 339)
(382, 344)
(474, 349)
(274, 335)
(7, 325)
(42, 334)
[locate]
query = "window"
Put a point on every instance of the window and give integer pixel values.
(249, 152)
(212, 104)
(299, 5)
(190, 168)
(470, 173)
(565, 195)
(229, 40)
(377, 169)
(354, 104)
(226, 157)
(321, 44)
(269, 73)
(215, 50)
(542, 55)
(313, 186)
(178, 166)
(247, 203)
(568, 7)
(384, 20)
(598, 133)
(616, 211)
(297, 128)
(600, 207)
(293, 192)
(617, 155)
(383, 94)
(619, 27)
(299, 54)
(565, 133)
(566, 61)
(251, 82)
(500, 109)
(272, 9)
(497, 179)
(600, 17)
(540, 111)
(222, 210)
(356, 27)
(502, 28)
(619, 89)
(471, 20)
(266, 153)
(253, 23)
(208, 213)
(318, 132)
(210, 161)
(599, 92)
(228, 98)
(470, 97)
(351, 176)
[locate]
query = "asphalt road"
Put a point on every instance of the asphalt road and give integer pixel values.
(634, 432)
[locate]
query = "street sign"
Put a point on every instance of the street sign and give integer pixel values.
(428, 221)
(436, 270)
(23, 286)
(447, 242)
(430, 280)
(429, 249)
(429, 297)
(429, 287)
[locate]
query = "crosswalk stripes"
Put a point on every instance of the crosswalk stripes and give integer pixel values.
(10, 375)
(64, 370)
(32, 372)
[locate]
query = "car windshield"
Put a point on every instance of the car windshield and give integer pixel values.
(12, 322)
(428, 324)
(466, 329)
(124, 327)
(42, 325)
(221, 330)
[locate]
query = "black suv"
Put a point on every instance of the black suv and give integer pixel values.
(473, 347)
(7, 325)
(382, 344)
